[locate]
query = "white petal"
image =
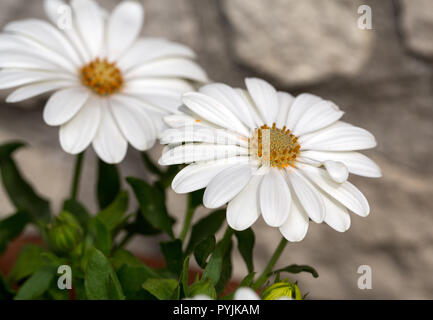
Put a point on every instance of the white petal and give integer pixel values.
(145, 50)
(15, 78)
(226, 185)
(64, 105)
(77, 134)
(158, 123)
(45, 34)
(337, 170)
(251, 107)
(299, 106)
(124, 26)
(198, 175)
(23, 45)
(36, 89)
(155, 86)
(90, 24)
(246, 294)
(200, 152)
(295, 227)
(232, 100)
(265, 98)
(26, 61)
(134, 122)
(244, 209)
(194, 133)
(275, 198)
(346, 193)
(52, 8)
(336, 216)
(338, 138)
(163, 102)
(309, 197)
(170, 67)
(213, 111)
(285, 101)
(355, 162)
(60, 14)
(109, 143)
(320, 115)
(181, 120)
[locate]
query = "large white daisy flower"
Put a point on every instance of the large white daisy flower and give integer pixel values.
(267, 153)
(112, 87)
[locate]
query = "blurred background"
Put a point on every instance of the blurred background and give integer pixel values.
(382, 77)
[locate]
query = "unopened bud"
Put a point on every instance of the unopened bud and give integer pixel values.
(65, 232)
(282, 290)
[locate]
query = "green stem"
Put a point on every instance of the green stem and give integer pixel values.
(264, 276)
(188, 218)
(77, 175)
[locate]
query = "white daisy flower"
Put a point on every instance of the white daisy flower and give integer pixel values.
(267, 153)
(112, 87)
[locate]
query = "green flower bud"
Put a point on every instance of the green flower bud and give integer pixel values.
(281, 290)
(65, 232)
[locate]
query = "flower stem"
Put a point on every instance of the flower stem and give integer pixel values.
(264, 276)
(77, 175)
(188, 218)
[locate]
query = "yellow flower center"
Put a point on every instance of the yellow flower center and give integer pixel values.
(101, 76)
(273, 146)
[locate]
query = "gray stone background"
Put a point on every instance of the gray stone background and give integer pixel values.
(382, 78)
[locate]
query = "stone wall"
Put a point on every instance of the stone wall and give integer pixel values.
(382, 78)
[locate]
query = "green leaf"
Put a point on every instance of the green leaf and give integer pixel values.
(78, 210)
(121, 257)
(101, 282)
(37, 284)
(131, 279)
(203, 250)
(29, 261)
(294, 268)
(204, 228)
(80, 291)
(54, 293)
(214, 267)
(203, 287)
(11, 227)
(101, 235)
(6, 293)
(108, 185)
(246, 246)
(172, 251)
(51, 259)
(163, 289)
(226, 270)
(112, 216)
(184, 277)
(141, 226)
(152, 205)
(19, 191)
(6, 150)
